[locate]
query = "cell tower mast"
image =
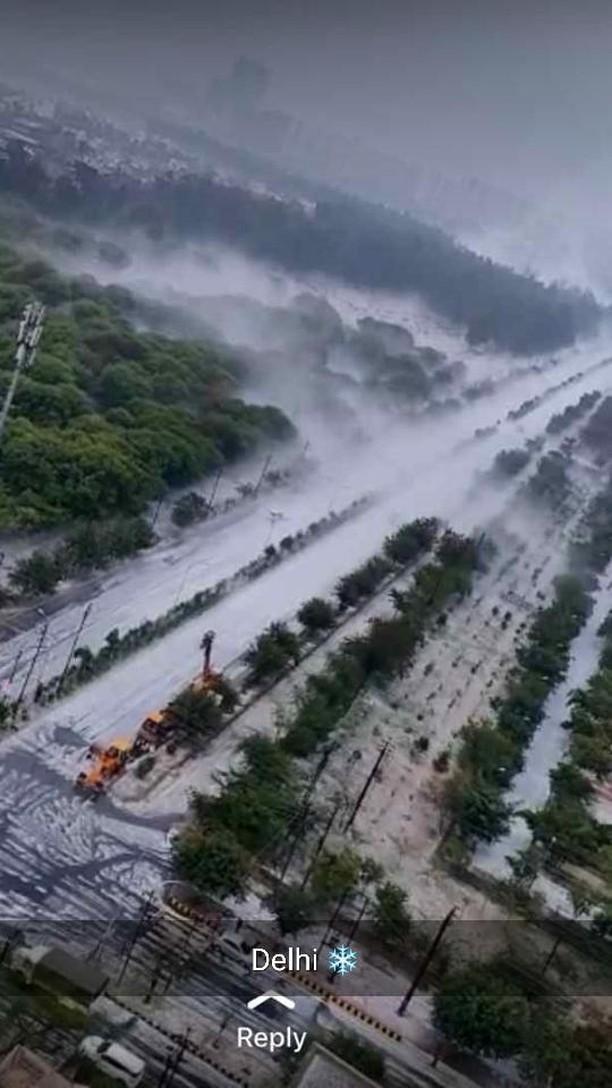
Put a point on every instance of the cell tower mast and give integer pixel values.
(28, 336)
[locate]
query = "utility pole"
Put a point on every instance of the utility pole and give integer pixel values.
(156, 512)
(357, 921)
(427, 958)
(32, 665)
(367, 784)
(28, 336)
(551, 954)
(265, 468)
(306, 806)
(332, 921)
(73, 646)
(215, 486)
(321, 842)
(172, 1065)
(95, 952)
(15, 667)
(138, 929)
(156, 974)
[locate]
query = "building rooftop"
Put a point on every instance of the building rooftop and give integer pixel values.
(22, 1068)
(321, 1067)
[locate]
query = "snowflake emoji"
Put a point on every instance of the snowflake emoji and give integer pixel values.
(342, 959)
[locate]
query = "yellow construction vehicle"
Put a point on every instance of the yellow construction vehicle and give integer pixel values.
(157, 728)
(105, 764)
(209, 680)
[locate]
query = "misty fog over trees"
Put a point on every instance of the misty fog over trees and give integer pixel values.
(109, 417)
(364, 244)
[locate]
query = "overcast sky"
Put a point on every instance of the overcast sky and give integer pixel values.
(514, 91)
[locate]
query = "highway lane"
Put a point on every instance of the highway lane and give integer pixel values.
(174, 570)
(63, 857)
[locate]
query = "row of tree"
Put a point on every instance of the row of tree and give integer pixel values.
(591, 547)
(550, 483)
(597, 434)
(488, 1009)
(278, 647)
(562, 420)
(87, 547)
(194, 507)
(565, 827)
(110, 417)
(344, 237)
(492, 752)
(88, 665)
(508, 463)
(245, 823)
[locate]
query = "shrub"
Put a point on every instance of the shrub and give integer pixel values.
(316, 615)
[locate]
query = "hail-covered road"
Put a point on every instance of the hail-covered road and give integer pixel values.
(63, 857)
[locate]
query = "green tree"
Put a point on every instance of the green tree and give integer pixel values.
(198, 715)
(526, 864)
(121, 383)
(481, 813)
(510, 462)
(335, 874)
(411, 540)
(391, 916)
(272, 652)
(189, 508)
(38, 573)
(294, 909)
(566, 1056)
(360, 1055)
(316, 615)
(213, 860)
(481, 1010)
(362, 582)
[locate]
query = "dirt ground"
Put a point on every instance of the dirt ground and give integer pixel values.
(462, 666)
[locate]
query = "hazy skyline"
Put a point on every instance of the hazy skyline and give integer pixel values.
(514, 93)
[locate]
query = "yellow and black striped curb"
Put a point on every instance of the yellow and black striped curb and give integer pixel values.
(348, 1006)
(191, 1047)
(182, 908)
(185, 911)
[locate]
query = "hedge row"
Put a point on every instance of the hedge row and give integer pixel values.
(492, 752)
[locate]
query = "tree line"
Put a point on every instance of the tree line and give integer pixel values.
(566, 828)
(278, 647)
(247, 820)
(87, 664)
(362, 243)
(490, 1009)
(109, 417)
(491, 752)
